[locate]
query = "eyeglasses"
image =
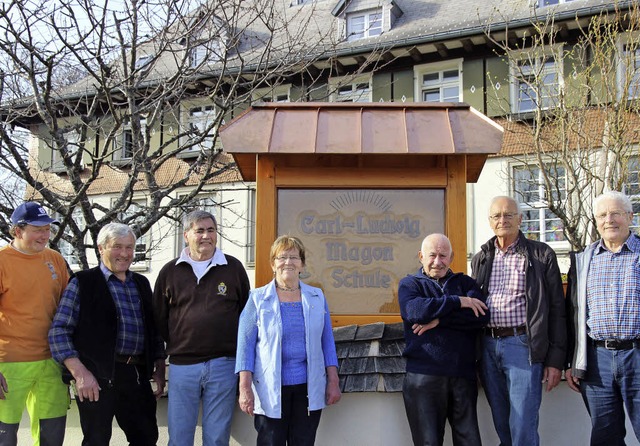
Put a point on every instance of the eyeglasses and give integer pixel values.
(614, 215)
(285, 258)
(505, 215)
(202, 231)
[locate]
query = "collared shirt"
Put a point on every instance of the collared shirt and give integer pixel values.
(613, 292)
(506, 299)
(200, 268)
(130, 339)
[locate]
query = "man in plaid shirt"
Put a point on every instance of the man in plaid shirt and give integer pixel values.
(604, 322)
(524, 344)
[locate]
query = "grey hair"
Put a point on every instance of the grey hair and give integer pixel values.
(614, 195)
(114, 230)
(195, 216)
(504, 197)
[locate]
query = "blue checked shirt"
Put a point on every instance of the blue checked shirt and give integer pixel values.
(125, 295)
(506, 300)
(613, 292)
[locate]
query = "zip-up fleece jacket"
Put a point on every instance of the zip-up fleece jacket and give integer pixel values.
(546, 320)
(449, 349)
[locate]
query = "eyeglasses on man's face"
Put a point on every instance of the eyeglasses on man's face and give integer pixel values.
(614, 215)
(504, 215)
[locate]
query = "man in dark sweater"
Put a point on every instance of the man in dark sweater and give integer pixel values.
(104, 334)
(442, 313)
(198, 298)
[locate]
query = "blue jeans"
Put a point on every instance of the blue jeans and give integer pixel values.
(215, 383)
(513, 387)
(612, 381)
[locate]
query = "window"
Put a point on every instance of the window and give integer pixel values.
(631, 187)
(439, 82)
(351, 89)
(551, 2)
(130, 217)
(629, 67)
(66, 249)
(143, 61)
(364, 24)
(72, 138)
(211, 51)
(538, 222)
(535, 83)
(123, 144)
(201, 127)
(279, 93)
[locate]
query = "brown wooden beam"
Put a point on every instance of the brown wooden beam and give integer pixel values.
(415, 54)
(467, 44)
(442, 49)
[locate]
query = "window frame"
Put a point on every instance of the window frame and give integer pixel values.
(534, 59)
(278, 93)
(65, 248)
(634, 196)
(367, 27)
(419, 71)
(351, 91)
(540, 205)
(123, 142)
(72, 138)
(208, 115)
(623, 66)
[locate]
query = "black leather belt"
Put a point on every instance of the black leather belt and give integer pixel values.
(503, 332)
(130, 359)
(615, 344)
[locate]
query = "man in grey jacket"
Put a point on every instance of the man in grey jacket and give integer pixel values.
(524, 344)
(604, 322)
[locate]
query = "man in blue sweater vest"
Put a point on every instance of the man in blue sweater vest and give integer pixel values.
(442, 313)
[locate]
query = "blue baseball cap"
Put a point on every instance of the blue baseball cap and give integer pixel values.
(31, 213)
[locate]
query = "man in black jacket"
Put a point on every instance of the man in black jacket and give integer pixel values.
(104, 334)
(525, 342)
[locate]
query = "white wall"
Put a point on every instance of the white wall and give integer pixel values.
(378, 419)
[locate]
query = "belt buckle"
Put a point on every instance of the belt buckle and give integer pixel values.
(610, 344)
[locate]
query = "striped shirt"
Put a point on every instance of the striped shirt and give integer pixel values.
(613, 292)
(506, 299)
(130, 338)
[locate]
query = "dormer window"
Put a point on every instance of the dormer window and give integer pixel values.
(208, 52)
(542, 3)
(364, 24)
(143, 61)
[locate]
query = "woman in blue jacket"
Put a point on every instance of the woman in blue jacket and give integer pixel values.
(286, 354)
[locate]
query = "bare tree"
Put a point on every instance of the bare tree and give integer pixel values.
(116, 92)
(578, 135)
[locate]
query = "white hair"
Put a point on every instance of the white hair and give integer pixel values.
(614, 195)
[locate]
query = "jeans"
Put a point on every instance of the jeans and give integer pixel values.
(213, 382)
(430, 400)
(612, 380)
(296, 427)
(513, 387)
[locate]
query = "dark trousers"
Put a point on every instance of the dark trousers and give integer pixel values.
(130, 399)
(432, 400)
(297, 427)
